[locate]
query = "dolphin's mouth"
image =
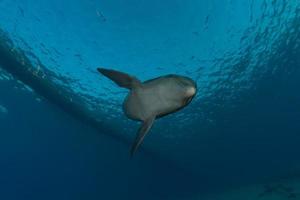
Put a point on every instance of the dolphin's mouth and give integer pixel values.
(188, 100)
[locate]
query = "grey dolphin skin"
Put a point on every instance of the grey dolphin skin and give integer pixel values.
(152, 99)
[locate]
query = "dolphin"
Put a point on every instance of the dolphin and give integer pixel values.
(152, 99)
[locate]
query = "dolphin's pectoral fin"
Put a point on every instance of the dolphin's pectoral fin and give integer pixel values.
(143, 130)
(120, 78)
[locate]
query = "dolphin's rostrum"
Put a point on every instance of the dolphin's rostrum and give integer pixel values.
(152, 99)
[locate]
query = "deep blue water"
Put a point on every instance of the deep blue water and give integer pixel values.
(63, 133)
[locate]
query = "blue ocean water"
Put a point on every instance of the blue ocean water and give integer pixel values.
(63, 132)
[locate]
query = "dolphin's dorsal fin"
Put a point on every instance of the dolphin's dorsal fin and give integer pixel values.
(120, 78)
(143, 130)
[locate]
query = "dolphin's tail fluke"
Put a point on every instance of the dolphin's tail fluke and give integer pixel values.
(120, 78)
